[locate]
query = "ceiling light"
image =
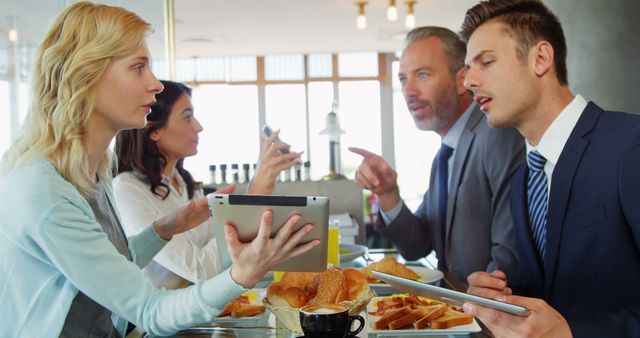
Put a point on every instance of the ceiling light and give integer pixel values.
(13, 35)
(410, 20)
(361, 22)
(392, 11)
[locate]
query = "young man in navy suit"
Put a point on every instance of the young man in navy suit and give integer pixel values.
(576, 200)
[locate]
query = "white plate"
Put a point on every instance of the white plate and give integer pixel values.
(460, 329)
(261, 293)
(427, 276)
(354, 251)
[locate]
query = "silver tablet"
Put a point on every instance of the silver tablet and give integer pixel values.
(245, 212)
(447, 295)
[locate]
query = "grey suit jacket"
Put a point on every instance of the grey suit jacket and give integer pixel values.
(479, 229)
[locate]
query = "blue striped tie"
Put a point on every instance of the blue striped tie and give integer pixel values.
(537, 197)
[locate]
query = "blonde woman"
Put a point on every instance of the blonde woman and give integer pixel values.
(66, 268)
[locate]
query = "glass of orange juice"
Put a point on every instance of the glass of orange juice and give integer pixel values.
(333, 245)
(277, 275)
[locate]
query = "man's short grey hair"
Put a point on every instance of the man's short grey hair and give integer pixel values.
(454, 48)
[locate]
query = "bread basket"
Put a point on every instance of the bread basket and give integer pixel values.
(290, 317)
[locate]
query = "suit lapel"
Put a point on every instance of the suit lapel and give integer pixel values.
(561, 182)
(527, 252)
(459, 162)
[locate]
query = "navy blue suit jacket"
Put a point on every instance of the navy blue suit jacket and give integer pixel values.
(592, 269)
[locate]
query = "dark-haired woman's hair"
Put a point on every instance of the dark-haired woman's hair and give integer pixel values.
(136, 151)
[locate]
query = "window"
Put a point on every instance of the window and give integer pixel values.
(284, 67)
(241, 68)
(23, 102)
(210, 69)
(320, 104)
(286, 110)
(186, 70)
(319, 65)
(231, 132)
(358, 64)
(159, 68)
(213, 69)
(414, 149)
(5, 118)
(359, 115)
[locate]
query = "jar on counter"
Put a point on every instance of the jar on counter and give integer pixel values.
(223, 173)
(245, 171)
(235, 173)
(212, 174)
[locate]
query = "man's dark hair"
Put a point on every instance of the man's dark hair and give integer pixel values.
(530, 21)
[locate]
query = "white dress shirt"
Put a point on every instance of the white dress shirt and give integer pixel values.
(556, 136)
(192, 255)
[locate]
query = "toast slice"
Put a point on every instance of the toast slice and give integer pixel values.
(391, 266)
(247, 310)
(451, 318)
(435, 311)
(408, 319)
(231, 306)
(390, 316)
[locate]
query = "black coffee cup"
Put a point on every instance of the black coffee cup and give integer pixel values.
(328, 321)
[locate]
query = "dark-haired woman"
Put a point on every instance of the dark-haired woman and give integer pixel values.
(152, 181)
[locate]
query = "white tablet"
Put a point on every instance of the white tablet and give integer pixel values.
(245, 212)
(447, 295)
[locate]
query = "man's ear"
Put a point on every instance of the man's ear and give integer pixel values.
(460, 75)
(542, 57)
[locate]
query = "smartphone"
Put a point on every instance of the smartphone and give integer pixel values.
(267, 131)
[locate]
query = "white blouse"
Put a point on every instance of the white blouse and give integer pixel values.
(192, 255)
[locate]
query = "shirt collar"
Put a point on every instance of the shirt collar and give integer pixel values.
(453, 135)
(556, 136)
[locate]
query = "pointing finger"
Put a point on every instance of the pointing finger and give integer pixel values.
(362, 152)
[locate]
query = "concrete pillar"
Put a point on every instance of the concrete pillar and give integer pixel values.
(603, 50)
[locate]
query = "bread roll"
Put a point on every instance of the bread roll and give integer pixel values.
(357, 287)
(283, 294)
(295, 296)
(300, 279)
(332, 288)
(312, 288)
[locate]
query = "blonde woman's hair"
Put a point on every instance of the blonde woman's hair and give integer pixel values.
(79, 47)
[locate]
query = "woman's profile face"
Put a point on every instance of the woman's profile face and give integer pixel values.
(179, 136)
(126, 91)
